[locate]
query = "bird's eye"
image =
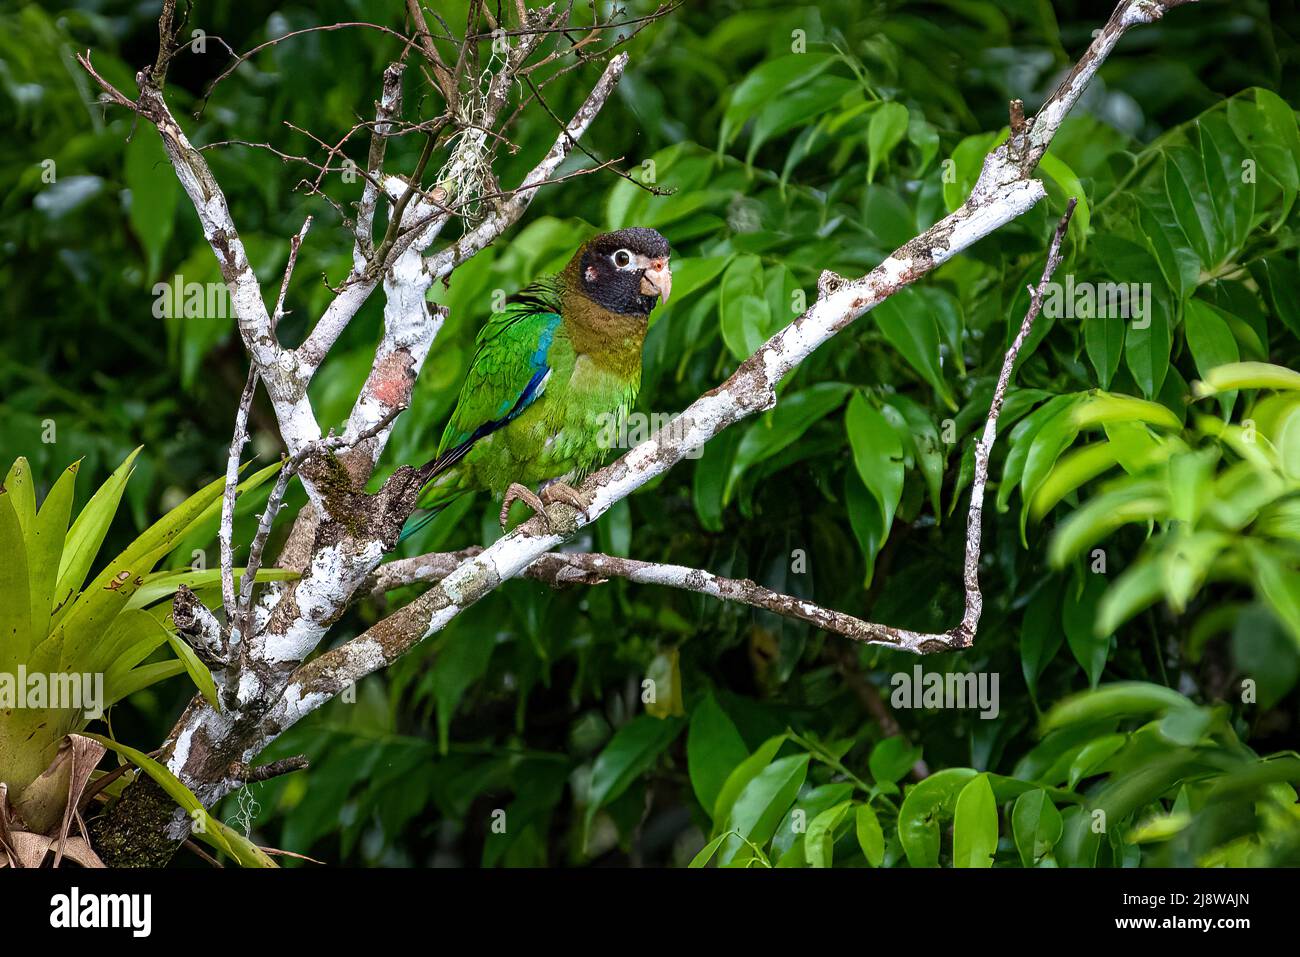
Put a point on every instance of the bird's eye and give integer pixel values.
(622, 258)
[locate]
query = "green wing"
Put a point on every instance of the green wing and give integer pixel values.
(508, 372)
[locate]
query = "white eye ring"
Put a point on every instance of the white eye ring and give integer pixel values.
(622, 258)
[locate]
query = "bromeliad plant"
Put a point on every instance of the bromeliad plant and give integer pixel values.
(71, 648)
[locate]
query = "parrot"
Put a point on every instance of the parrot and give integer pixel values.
(552, 370)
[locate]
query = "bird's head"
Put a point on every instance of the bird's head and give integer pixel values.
(626, 271)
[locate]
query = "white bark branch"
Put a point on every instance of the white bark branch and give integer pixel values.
(226, 531)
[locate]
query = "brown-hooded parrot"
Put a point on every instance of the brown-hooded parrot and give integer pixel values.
(552, 371)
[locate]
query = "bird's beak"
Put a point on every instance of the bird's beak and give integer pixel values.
(657, 280)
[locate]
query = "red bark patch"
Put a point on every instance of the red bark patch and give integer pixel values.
(392, 379)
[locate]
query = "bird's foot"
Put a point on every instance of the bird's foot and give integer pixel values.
(552, 493)
(560, 492)
(520, 493)
(565, 522)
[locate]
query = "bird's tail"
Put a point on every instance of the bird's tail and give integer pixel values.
(417, 522)
(430, 502)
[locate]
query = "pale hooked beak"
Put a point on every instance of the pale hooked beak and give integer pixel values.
(657, 280)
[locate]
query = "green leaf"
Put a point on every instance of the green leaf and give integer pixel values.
(1246, 375)
(760, 807)
(967, 161)
(1282, 119)
(706, 853)
(1040, 634)
(19, 486)
(1071, 471)
(1065, 177)
(1134, 502)
(154, 193)
(788, 843)
(1036, 825)
(877, 455)
(1267, 127)
(45, 549)
(766, 82)
(739, 778)
(88, 531)
(1192, 204)
(924, 808)
(1147, 347)
(666, 674)
(132, 637)
(714, 748)
(819, 842)
(909, 323)
(462, 660)
(1103, 338)
(1279, 582)
(922, 437)
(1120, 699)
(1022, 439)
(142, 677)
(744, 310)
(712, 474)
(870, 837)
(1079, 619)
(1222, 156)
(865, 520)
(196, 669)
(112, 588)
(975, 825)
(795, 108)
(1093, 755)
(630, 753)
(783, 426)
(888, 216)
(1053, 437)
(1211, 342)
(1100, 408)
(163, 584)
(886, 130)
(891, 759)
(15, 596)
(1179, 263)
(1139, 587)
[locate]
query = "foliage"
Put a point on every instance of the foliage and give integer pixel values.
(105, 635)
(1121, 679)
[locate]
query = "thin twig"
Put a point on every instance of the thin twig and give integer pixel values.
(225, 535)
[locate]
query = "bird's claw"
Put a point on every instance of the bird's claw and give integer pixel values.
(520, 493)
(552, 493)
(560, 492)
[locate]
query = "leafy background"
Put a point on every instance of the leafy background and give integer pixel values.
(768, 742)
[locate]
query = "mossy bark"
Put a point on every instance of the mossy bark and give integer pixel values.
(133, 832)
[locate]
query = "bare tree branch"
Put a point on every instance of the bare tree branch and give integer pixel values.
(225, 533)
